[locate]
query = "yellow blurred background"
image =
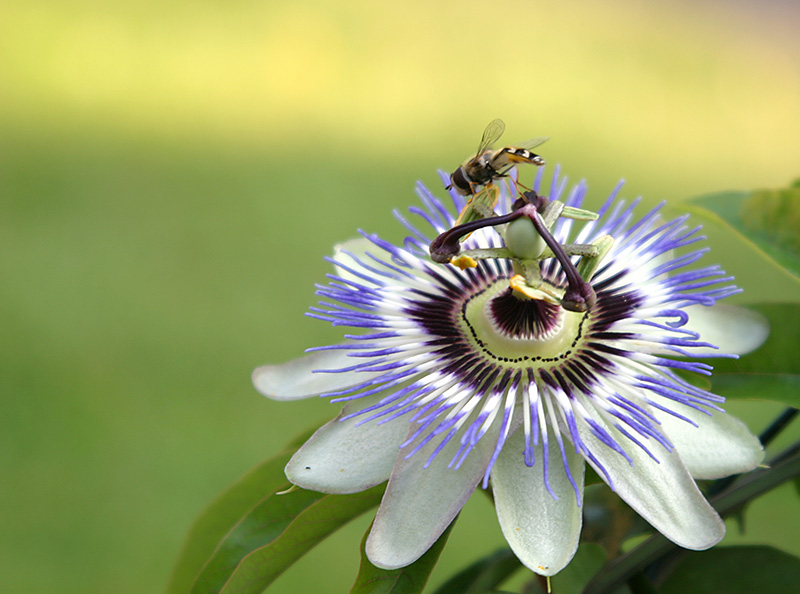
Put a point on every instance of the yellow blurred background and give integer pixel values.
(171, 174)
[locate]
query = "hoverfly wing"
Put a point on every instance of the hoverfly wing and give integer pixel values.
(532, 142)
(491, 135)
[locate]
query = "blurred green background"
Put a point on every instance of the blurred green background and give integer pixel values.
(171, 174)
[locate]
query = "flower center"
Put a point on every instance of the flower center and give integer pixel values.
(519, 317)
(515, 329)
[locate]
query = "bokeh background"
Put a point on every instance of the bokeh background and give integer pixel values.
(172, 172)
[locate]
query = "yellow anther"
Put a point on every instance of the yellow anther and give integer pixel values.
(463, 262)
(520, 285)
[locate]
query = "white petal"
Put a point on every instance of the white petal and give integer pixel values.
(342, 457)
(735, 330)
(543, 532)
(663, 493)
(296, 379)
(720, 446)
(420, 503)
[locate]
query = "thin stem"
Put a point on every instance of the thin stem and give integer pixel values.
(787, 453)
(777, 426)
(785, 466)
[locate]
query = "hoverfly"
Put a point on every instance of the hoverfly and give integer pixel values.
(488, 164)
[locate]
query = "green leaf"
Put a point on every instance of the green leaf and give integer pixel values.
(574, 577)
(406, 580)
(747, 488)
(222, 515)
(773, 371)
(274, 534)
(769, 220)
(783, 388)
(734, 570)
(483, 575)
